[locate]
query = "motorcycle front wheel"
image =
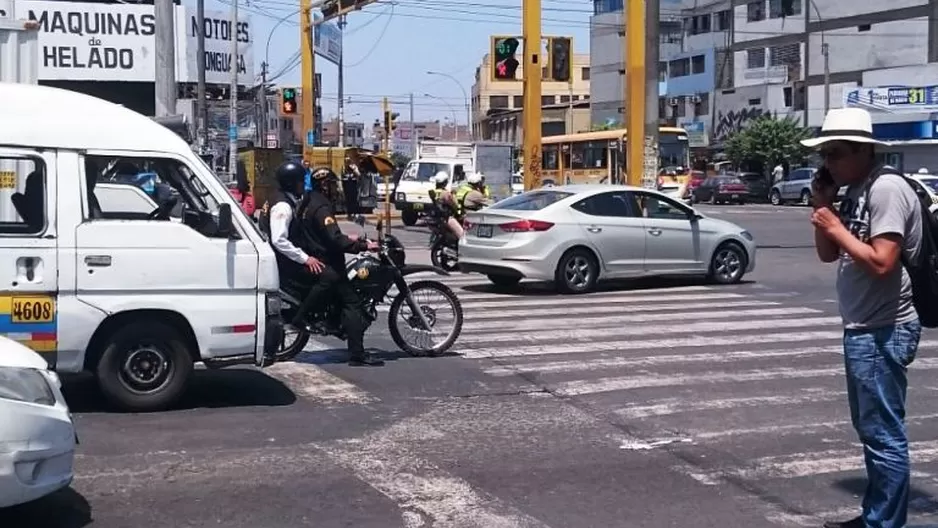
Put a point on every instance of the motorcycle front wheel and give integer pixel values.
(444, 308)
(294, 341)
(440, 259)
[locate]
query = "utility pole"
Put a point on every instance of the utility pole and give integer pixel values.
(413, 129)
(825, 50)
(262, 94)
(233, 95)
(201, 105)
(164, 12)
(386, 140)
(650, 167)
(634, 107)
(531, 112)
(341, 25)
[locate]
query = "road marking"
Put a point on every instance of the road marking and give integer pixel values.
(427, 495)
(652, 344)
(652, 329)
(584, 301)
(671, 406)
(585, 320)
(624, 383)
(800, 428)
(545, 294)
(313, 382)
(545, 311)
(657, 360)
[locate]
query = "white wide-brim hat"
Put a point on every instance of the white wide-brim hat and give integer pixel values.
(845, 124)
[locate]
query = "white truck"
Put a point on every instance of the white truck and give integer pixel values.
(457, 159)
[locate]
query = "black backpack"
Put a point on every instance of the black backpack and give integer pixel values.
(924, 272)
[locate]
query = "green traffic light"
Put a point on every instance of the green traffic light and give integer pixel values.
(289, 93)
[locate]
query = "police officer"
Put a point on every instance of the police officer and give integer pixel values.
(470, 196)
(321, 228)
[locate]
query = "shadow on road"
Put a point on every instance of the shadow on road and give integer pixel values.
(535, 289)
(63, 509)
(231, 387)
(920, 502)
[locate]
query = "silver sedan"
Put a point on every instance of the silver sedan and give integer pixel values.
(576, 235)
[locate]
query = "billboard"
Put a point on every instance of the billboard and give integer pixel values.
(893, 99)
(81, 41)
(328, 41)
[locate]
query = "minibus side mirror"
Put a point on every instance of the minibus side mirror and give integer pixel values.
(225, 223)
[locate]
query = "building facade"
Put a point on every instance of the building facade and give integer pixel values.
(492, 97)
(607, 52)
(555, 120)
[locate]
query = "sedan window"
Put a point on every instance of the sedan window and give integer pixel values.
(614, 204)
(661, 208)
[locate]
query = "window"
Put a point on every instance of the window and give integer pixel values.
(498, 101)
(547, 100)
(564, 98)
(661, 208)
(755, 102)
(577, 156)
(755, 58)
(785, 55)
(616, 204)
(679, 67)
(585, 74)
(176, 191)
(755, 11)
(775, 8)
(697, 64)
(549, 161)
(532, 201)
(517, 101)
(722, 20)
(25, 212)
(703, 107)
(700, 24)
(594, 155)
(662, 71)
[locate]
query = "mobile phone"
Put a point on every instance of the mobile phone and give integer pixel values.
(824, 177)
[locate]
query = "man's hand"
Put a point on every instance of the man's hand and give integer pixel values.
(373, 246)
(314, 265)
(827, 222)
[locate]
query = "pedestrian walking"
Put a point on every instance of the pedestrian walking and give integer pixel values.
(878, 225)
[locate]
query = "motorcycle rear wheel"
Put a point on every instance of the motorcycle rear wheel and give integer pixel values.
(439, 258)
(394, 319)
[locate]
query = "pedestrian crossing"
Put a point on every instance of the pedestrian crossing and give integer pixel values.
(745, 385)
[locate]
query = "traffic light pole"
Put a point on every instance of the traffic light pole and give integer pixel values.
(233, 97)
(634, 109)
(308, 73)
(650, 168)
(531, 112)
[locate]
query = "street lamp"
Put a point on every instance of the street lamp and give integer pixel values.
(465, 95)
(453, 110)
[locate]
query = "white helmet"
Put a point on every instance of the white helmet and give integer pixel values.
(441, 177)
(923, 170)
(474, 179)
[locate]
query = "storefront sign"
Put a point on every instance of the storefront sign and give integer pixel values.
(893, 98)
(116, 42)
(696, 133)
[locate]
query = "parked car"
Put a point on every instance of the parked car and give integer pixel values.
(929, 184)
(794, 186)
(38, 437)
(696, 178)
(757, 185)
(720, 189)
(575, 235)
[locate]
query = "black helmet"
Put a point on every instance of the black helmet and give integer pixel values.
(289, 175)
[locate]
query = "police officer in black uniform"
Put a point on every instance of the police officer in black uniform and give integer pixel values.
(322, 230)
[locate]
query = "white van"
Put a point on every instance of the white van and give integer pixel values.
(412, 194)
(136, 298)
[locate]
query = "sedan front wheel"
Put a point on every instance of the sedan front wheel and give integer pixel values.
(728, 264)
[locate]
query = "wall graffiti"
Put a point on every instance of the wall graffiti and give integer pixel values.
(534, 167)
(732, 121)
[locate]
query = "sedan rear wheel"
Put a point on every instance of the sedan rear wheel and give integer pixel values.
(576, 272)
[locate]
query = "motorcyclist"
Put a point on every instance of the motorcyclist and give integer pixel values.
(445, 203)
(471, 195)
(322, 231)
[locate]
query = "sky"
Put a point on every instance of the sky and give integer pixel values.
(389, 46)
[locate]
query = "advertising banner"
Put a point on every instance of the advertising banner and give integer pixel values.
(328, 42)
(893, 99)
(116, 42)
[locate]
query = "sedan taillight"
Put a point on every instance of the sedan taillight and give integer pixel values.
(523, 226)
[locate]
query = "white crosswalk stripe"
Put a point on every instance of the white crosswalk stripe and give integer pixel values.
(739, 370)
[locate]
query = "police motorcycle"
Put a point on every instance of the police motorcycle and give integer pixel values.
(444, 244)
(416, 328)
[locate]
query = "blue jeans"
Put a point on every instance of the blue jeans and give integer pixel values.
(876, 361)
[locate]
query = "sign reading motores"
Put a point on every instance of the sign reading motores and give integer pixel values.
(218, 47)
(94, 41)
(82, 41)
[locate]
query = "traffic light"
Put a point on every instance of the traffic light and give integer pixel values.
(560, 63)
(334, 8)
(504, 63)
(288, 101)
(389, 121)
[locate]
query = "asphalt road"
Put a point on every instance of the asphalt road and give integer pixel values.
(647, 404)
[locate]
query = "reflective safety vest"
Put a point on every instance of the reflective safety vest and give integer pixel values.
(486, 192)
(460, 197)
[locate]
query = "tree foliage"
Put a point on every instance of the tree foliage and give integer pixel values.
(768, 141)
(399, 160)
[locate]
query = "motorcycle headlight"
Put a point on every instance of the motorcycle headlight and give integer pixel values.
(25, 385)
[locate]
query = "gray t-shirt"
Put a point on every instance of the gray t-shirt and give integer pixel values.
(866, 301)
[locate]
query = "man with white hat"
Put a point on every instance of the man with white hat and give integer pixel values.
(879, 222)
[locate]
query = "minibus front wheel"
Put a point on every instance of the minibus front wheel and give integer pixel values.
(145, 366)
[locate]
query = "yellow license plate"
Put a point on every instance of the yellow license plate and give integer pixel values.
(32, 310)
(418, 207)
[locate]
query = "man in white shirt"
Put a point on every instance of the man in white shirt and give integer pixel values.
(292, 261)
